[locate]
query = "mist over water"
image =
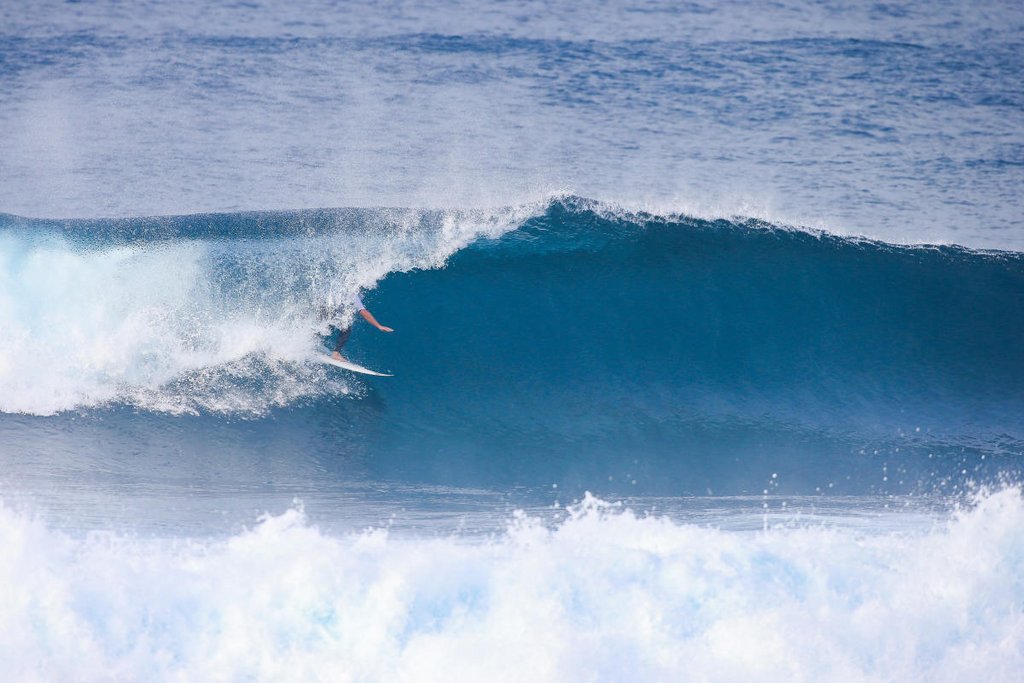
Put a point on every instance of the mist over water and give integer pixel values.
(708, 354)
(897, 123)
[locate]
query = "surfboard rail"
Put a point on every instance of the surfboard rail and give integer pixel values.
(349, 365)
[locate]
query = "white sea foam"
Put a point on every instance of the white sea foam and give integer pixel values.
(603, 595)
(167, 325)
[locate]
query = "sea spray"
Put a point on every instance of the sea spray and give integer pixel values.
(604, 593)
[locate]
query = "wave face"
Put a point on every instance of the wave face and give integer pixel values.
(601, 595)
(558, 331)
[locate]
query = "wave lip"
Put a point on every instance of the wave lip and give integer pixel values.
(579, 328)
(198, 313)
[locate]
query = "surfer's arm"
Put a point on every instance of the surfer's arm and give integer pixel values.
(368, 317)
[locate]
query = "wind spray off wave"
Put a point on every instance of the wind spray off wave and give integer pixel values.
(796, 422)
(197, 312)
(552, 330)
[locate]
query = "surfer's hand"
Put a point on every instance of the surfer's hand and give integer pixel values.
(382, 328)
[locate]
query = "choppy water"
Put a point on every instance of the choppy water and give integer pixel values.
(897, 121)
(752, 277)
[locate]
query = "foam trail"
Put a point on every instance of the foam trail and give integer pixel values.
(604, 594)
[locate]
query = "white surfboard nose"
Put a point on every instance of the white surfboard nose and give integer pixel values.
(347, 365)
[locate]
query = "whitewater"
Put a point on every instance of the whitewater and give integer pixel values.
(708, 354)
(189, 495)
(602, 595)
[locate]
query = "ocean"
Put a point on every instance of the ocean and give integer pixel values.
(708, 354)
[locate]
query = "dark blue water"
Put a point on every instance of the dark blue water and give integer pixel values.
(669, 351)
(585, 349)
(708, 354)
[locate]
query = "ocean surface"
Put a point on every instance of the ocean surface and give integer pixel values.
(708, 354)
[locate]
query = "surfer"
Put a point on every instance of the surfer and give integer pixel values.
(342, 333)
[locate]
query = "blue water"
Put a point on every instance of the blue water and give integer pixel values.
(708, 361)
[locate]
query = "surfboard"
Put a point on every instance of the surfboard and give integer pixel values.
(347, 365)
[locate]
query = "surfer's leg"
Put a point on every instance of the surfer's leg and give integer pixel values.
(343, 334)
